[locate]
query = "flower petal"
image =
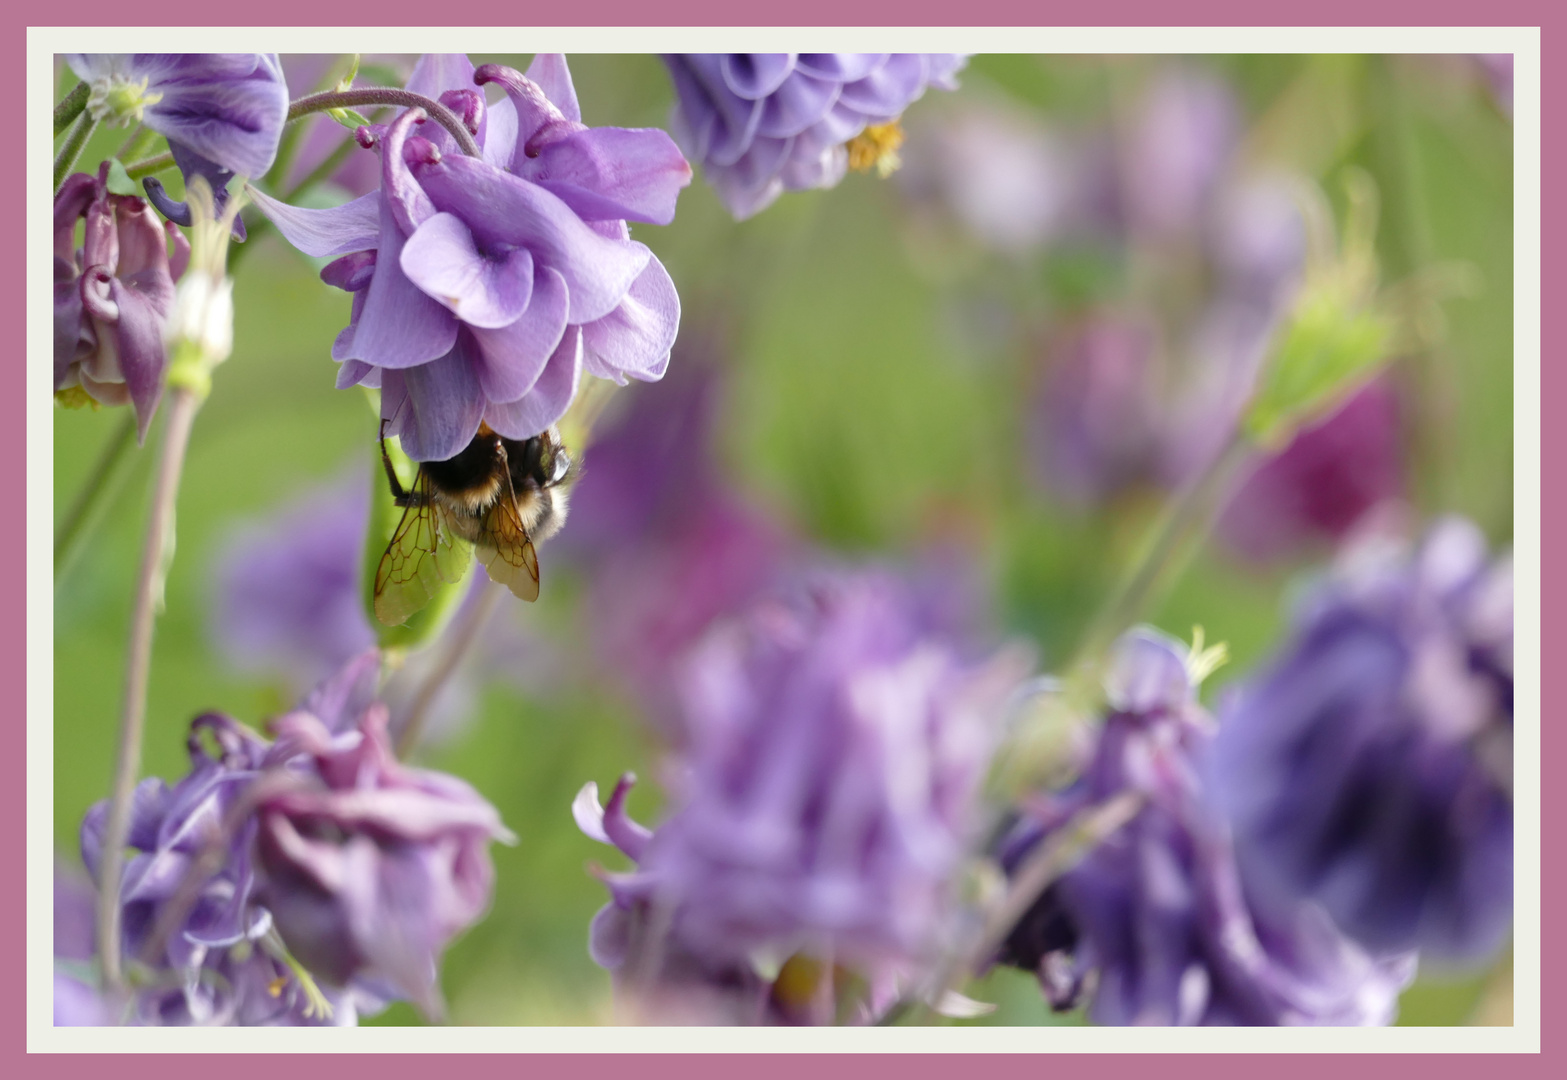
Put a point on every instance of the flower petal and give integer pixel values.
(798, 104)
(607, 173)
(399, 327)
(138, 338)
(440, 258)
(229, 108)
(434, 408)
(502, 209)
(510, 359)
(635, 337)
(550, 397)
(549, 70)
(755, 75)
(325, 234)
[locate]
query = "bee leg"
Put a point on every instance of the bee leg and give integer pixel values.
(400, 496)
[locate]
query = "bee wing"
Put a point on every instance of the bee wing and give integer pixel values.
(424, 552)
(506, 550)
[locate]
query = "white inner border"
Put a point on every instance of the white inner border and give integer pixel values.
(1524, 1036)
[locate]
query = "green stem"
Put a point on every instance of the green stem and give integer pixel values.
(377, 95)
(182, 408)
(148, 166)
(86, 506)
(461, 638)
(66, 159)
(139, 142)
(70, 107)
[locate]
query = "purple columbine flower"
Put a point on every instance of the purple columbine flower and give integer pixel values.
(222, 113)
(1369, 765)
(827, 796)
(221, 964)
(369, 868)
(112, 296)
(484, 287)
(1153, 921)
(766, 123)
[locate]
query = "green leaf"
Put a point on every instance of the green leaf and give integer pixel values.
(349, 118)
(120, 182)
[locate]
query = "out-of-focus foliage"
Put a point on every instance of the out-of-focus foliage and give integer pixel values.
(877, 370)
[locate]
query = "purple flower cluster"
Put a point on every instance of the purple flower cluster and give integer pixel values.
(1369, 765)
(112, 295)
(827, 796)
(222, 113)
(484, 287)
(765, 123)
(1154, 921)
(274, 865)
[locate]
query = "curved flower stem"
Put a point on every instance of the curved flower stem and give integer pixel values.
(460, 638)
(376, 95)
(70, 107)
(182, 409)
(72, 148)
(148, 166)
(86, 504)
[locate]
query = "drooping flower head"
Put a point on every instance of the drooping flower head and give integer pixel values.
(1153, 921)
(1369, 765)
(326, 878)
(112, 296)
(222, 113)
(828, 791)
(765, 123)
(485, 287)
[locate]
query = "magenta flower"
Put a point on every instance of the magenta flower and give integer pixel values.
(112, 295)
(484, 288)
(766, 123)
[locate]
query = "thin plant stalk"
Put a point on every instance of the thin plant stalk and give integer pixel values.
(70, 107)
(376, 95)
(182, 408)
(65, 160)
(460, 638)
(88, 502)
(147, 166)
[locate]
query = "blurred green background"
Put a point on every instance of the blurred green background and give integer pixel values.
(861, 408)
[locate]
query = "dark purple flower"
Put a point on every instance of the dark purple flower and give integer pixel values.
(1152, 921)
(369, 868)
(827, 795)
(221, 965)
(1369, 765)
(221, 112)
(1324, 482)
(766, 123)
(112, 296)
(485, 287)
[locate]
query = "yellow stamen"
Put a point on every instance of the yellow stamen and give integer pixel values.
(1201, 662)
(275, 987)
(876, 147)
(74, 397)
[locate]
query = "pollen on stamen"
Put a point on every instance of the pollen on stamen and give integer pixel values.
(74, 397)
(877, 147)
(275, 987)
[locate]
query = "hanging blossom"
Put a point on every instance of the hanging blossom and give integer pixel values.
(1153, 922)
(222, 113)
(766, 123)
(112, 297)
(828, 796)
(485, 287)
(337, 875)
(1369, 765)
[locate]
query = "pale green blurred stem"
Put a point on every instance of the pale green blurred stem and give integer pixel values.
(147, 166)
(458, 640)
(102, 480)
(181, 413)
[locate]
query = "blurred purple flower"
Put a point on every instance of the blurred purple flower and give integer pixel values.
(828, 792)
(1095, 426)
(766, 123)
(1498, 70)
(77, 1002)
(222, 113)
(286, 591)
(1324, 482)
(112, 295)
(369, 868)
(1154, 917)
(1177, 150)
(1369, 765)
(219, 966)
(485, 287)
